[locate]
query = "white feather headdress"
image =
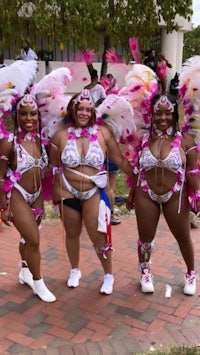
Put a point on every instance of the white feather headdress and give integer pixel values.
(141, 87)
(50, 95)
(14, 80)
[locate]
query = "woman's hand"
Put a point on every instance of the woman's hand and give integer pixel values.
(130, 199)
(198, 208)
(5, 217)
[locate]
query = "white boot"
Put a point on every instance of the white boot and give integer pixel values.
(25, 277)
(42, 291)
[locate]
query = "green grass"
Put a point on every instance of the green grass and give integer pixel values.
(179, 350)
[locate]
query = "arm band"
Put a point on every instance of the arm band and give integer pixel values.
(3, 209)
(3, 157)
(54, 146)
(194, 172)
(191, 148)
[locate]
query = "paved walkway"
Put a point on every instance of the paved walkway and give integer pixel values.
(83, 321)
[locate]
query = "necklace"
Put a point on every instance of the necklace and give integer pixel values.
(87, 132)
(28, 136)
(162, 134)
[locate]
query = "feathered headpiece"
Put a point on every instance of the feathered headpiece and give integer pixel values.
(52, 100)
(141, 87)
(14, 80)
(189, 91)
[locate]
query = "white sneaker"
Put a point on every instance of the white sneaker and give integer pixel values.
(146, 281)
(25, 277)
(190, 284)
(74, 278)
(107, 287)
(42, 291)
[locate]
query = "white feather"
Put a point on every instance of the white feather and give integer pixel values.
(118, 114)
(50, 94)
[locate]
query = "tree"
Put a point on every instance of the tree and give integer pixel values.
(191, 45)
(94, 24)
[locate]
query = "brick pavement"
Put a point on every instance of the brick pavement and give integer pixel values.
(84, 321)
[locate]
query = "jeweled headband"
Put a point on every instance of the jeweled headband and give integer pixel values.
(27, 100)
(163, 100)
(84, 95)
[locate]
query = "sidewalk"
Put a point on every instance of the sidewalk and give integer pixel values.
(82, 321)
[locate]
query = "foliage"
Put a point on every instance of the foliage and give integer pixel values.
(89, 23)
(191, 43)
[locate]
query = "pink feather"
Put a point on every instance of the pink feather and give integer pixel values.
(113, 57)
(134, 46)
(87, 56)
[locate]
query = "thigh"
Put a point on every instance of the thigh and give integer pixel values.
(90, 217)
(23, 217)
(178, 222)
(147, 215)
(72, 221)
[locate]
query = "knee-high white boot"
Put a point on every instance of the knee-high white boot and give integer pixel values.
(42, 291)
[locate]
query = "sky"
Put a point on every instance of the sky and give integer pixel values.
(196, 13)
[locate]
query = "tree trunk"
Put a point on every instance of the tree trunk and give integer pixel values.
(107, 46)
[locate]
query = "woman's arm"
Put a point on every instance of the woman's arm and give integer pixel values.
(192, 172)
(115, 154)
(54, 151)
(5, 149)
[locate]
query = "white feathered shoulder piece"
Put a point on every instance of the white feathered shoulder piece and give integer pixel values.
(50, 95)
(189, 92)
(14, 80)
(117, 113)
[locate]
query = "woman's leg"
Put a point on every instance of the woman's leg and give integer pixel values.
(28, 228)
(72, 221)
(111, 193)
(147, 215)
(179, 225)
(22, 243)
(99, 240)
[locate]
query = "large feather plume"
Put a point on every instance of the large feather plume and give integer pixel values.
(117, 113)
(14, 80)
(189, 91)
(141, 87)
(50, 94)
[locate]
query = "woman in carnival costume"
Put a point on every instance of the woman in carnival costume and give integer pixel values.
(22, 160)
(166, 167)
(77, 155)
(189, 92)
